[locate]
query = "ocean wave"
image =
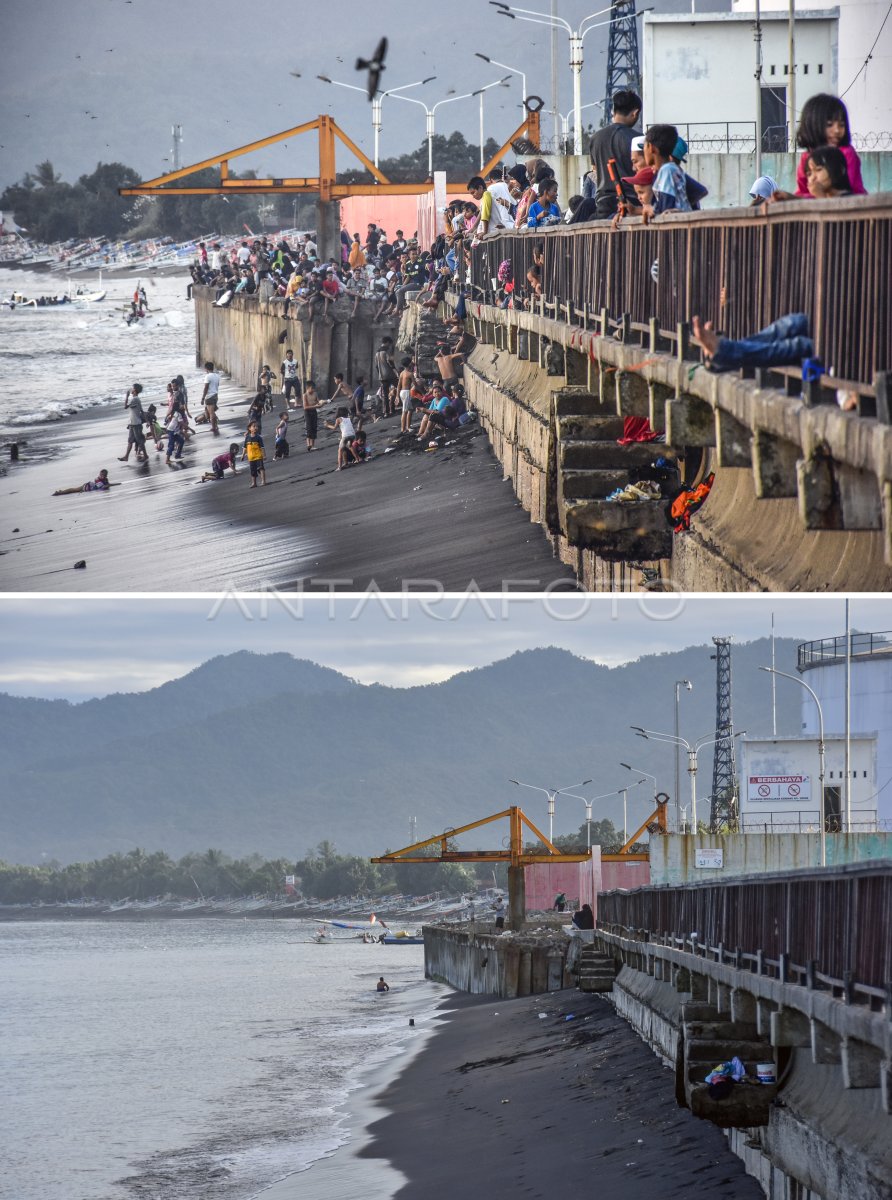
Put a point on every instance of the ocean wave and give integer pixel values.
(58, 411)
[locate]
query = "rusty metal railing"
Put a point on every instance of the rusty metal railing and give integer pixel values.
(833, 927)
(741, 268)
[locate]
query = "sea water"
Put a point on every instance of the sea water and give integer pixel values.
(59, 361)
(177, 1059)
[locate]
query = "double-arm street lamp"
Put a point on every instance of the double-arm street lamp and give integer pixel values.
(431, 114)
(577, 37)
(551, 793)
(812, 693)
(378, 101)
(693, 749)
(679, 683)
(604, 795)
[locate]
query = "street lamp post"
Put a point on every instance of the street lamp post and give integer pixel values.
(588, 808)
(479, 92)
(813, 694)
(565, 117)
(576, 36)
(430, 115)
(686, 683)
(551, 793)
(378, 101)
(693, 749)
(505, 67)
(647, 775)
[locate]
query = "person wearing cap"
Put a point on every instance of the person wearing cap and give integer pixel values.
(638, 159)
(763, 189)
(614, 143)
(695, 191)
(643, 184)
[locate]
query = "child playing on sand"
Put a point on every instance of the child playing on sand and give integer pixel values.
(222, 463)
(267, 375)
(343, 423)
(253, 451)
(176, 428)
(99, 484)
(282, 436)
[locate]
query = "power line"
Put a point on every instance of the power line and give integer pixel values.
(870, 51)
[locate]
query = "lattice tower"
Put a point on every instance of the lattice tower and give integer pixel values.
(723, 804)
(623, 69)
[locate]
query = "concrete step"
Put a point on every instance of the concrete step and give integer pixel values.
(603, 984)
(724, 1051)
(577, 403)
(592, 485)
(747, 1105)
(717, 1030)
(590, 428)
(590, 455)
(619, 532)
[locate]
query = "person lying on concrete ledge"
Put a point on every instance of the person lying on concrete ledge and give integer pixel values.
(783, 343)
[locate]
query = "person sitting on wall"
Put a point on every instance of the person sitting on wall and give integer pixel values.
(585, 918)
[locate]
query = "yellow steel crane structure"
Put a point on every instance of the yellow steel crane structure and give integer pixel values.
(324, 184)
(514, 853)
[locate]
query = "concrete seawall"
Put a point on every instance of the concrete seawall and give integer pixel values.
(485, 963)
(247, 333)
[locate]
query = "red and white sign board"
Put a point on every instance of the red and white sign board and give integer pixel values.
(769, 789)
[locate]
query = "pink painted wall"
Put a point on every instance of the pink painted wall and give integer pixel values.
(390, 212)
(580, 881)
(624, 875)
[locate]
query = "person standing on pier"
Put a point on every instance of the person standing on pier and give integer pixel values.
(210, 395)
(311, 404)
(614, 142)
(290, 380)
(135, 435)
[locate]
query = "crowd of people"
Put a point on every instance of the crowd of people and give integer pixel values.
(632, 173)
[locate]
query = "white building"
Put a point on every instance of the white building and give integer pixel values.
(868, 89)
(780, 775)
(779, 788)
(698, 73)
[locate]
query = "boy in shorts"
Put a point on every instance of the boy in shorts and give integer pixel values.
(343, 423)
(253, 451)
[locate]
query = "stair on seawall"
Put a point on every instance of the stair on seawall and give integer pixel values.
(596, 971)
(590, 466)
(710, 1039)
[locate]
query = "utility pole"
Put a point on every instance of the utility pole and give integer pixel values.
(757, 36)
(791, 89)
(176, 132)
(555, 106)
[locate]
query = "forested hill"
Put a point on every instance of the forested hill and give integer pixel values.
(272, 754)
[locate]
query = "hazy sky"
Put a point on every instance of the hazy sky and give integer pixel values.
(221, 69)
(76, 648)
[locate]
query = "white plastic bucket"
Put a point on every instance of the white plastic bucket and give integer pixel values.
(765, 1073)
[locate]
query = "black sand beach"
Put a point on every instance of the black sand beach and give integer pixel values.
(407, 520)
(501, 1103)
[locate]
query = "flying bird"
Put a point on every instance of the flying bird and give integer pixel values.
(374, 66)
(296, 74)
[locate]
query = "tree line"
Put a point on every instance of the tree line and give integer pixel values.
(50, 209)
(322, 874)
